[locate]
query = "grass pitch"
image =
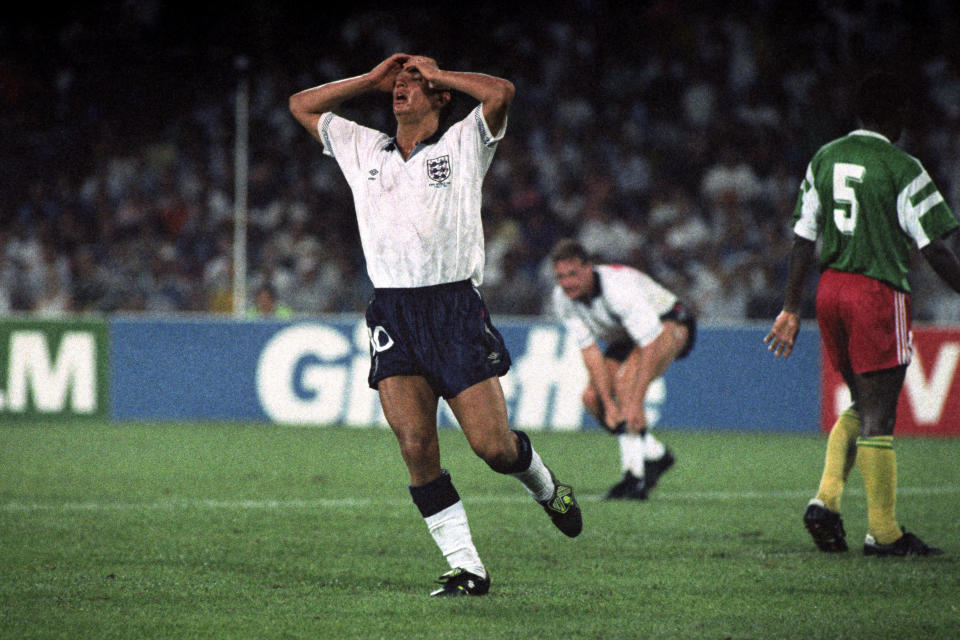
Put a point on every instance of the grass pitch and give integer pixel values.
(255, 531)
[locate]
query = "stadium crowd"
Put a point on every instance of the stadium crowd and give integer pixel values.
(671, 137)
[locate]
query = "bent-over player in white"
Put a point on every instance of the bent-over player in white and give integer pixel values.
(644, 329)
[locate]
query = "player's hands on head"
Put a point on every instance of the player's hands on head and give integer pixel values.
(783, 336)
(383, 75)
(428, 69)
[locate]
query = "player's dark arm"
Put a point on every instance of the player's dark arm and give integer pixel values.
(801, 255)
(781, 338)
(308, 105)
(944, 262)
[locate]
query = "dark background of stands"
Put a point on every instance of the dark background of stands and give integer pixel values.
(668, 135)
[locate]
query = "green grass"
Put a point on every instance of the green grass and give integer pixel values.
(254, 531)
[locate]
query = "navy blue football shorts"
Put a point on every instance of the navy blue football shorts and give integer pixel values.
(441, 332)
(678, 313)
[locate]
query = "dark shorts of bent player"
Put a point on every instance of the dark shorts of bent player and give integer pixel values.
(678, 313)
(441, 332)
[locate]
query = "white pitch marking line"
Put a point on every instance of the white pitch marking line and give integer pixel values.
(350, 503)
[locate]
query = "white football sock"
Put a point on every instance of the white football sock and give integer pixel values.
(536, 479)
(632, 448)
(654, 448)
(451, 532)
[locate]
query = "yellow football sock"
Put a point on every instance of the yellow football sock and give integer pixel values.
(841, 453)
(877, 463)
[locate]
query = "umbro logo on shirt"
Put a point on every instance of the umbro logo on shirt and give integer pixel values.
(373, 174)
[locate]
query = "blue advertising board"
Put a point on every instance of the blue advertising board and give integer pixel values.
(314, 372)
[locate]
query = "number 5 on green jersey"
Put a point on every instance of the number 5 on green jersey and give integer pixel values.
(883, 203)
(845, 175)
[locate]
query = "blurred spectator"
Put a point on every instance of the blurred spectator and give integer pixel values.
(517, 290)
(672, 143)
(266, 305)
(730, 179)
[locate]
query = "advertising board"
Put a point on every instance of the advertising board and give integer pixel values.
(52, 368)
(315, 373)
(930, 401)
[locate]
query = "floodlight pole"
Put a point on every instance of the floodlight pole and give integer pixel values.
(241, 175)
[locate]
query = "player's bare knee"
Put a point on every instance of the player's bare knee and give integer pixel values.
(497, 454)
(877, 425)
(417, 449)
(679, 334)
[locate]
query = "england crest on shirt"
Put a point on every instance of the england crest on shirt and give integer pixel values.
(438, 169)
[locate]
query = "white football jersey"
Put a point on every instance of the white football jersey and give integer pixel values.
(627, 305)
(419, 219)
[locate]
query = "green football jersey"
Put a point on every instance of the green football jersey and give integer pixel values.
(869, 201)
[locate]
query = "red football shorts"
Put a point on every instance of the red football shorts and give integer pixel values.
(864, 323)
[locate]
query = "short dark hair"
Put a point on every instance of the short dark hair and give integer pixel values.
(567, 249)
(880, 102)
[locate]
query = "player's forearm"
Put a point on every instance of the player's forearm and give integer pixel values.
(327, 97)
(599, 375)
(801, 255)
(647, 371)
(944, 262)
(495, 94)
(482, 87)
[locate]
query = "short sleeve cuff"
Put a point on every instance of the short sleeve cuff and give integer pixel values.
(486, 136)
(804, 231)
(323, 130)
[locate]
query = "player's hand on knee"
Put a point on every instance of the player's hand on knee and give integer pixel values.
(617, 429)
(612, 418)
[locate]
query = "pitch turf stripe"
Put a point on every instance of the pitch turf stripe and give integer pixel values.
(355, 503)
(174, 505)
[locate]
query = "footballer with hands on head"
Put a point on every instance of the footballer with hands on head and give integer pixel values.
(417, 196)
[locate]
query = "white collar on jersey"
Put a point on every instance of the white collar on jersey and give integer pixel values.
(391, 144)
(867, 132)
